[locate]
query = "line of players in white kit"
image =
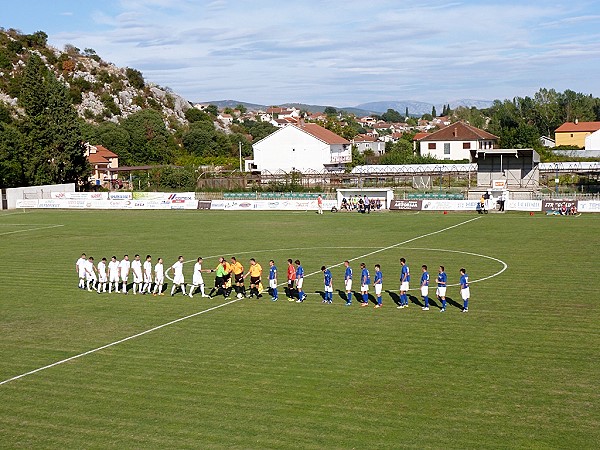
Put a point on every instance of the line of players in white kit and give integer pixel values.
(148, 279)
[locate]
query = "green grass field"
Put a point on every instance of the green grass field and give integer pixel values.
(520, 370)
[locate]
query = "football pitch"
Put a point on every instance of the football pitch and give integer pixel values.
(521, 369)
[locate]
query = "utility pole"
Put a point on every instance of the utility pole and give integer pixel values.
(240, 149)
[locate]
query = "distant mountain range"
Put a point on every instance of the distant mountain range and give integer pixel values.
(415, 108)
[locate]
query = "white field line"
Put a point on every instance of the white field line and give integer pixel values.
(116, 342)
(57, 363)
(504, 265)
(31, 229)
(12, 214)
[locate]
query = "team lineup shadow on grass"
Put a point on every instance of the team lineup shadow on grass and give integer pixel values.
(454, 303)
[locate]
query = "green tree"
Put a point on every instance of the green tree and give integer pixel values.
(433, 112)
(53, 151)
(391, 115)
(330, 111)
(195, 115)
(150, 141)
(11, 152)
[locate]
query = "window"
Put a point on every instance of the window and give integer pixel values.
(431, 146)
(446, 148)
(466, 145)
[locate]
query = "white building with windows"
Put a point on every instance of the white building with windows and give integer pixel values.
(303, 147)
(364, 143)
(456, 141)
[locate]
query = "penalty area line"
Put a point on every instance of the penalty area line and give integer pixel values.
(120, 341)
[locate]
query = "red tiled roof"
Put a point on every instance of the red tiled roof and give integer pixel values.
(103, 151)
(420, 136)
(580, 127)
(95, 158)
(323, 134)
(460, 131)
(364, 138)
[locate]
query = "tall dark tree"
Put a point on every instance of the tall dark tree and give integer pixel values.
(53, 151)
(433, 112)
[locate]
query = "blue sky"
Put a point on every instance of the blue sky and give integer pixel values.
(332, 52)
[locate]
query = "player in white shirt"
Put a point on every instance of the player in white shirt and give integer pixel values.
(102, 276)
(124, 267)
(147, 267)
(159, 277)
(178, 280)
(136, 268)
(113, 274)
(90, 274)
(80, 265)
(197, 279)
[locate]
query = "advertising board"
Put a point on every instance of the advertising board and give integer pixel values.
(523, 205)
(406, 205)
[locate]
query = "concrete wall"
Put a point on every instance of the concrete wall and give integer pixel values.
(518, 172)
(32, 192)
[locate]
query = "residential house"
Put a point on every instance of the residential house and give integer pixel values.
(226, 119)
(456, 141)
(574, 133)
(364, 142)
(302, 147)
(100, 159)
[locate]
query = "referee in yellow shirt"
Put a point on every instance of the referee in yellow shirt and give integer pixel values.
(255, 272)
(238, 277)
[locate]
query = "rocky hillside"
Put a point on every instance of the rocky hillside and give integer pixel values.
(99, 90)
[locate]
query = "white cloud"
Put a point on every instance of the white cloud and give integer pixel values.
(344, 52)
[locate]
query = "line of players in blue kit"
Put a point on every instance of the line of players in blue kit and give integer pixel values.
(296, 281)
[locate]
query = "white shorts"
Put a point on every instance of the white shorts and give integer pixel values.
(273, 284)
(441, 291)
(102, 277)
(113, 277)
(197, 280)
(348, 284)
(178, 279)
(378, 289)
(124, 277)
(90, 277)
(82, 273)
(137, 278)
(299, 282)
(328, 288)
(424, 291)
(147, 278)
(465, 293)
(404, 286)
(364, 288)
(159, 280)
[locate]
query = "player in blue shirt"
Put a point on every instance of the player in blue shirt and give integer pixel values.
(328, 280)
(299, 281)
(365, 281)
(441, 287)
(464, 289)
(404, 280)
(425, 287)
(273, 280)
(348, 282)
(378, 282)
